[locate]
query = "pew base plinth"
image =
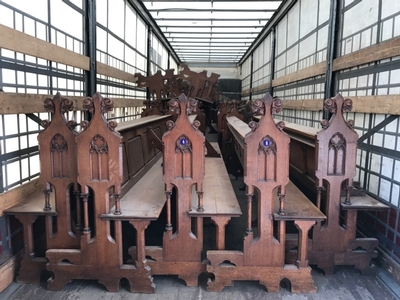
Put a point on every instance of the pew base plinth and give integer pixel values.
(270, 277)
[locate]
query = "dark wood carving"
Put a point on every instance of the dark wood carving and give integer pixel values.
(201, 86)
(264, 151)
(336, 150)
(183, 167)
(100, 170)
(327, 159)
(59, 172)
(228, 108)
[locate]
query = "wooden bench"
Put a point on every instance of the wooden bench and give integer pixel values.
(264, 152)
(113, 166)
(58, 178)
(27, 212)
(198, 195)
(228, 108)
(324, 161)
(64, 206)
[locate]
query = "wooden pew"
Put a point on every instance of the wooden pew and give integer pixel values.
(324, 161)
(264, 151)
(112, 169)
(198, 194)
(58, 201)
(59, 176)
(228, 108)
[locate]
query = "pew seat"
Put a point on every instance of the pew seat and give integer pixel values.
(297, 206)
(33, 205)
(27, 211)
(144, 200)
(219, 197)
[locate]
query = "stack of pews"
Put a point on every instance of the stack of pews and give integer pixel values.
(323, 162)
(106, 185)
(263, 150)
(108, 175)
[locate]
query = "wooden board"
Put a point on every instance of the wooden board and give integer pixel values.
(33, 204)
(239, 126)
(18, 103)
(301, 133)
(13, 196)
(386, 49)
(363, 203)
(312, 71)
(9, 270)
(18, 41)
(307, 131)
(297, 206)
(219, 197)
(139, 122)
(107, 70)
(144, 200)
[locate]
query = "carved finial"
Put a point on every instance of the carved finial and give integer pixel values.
(112, 125)
(347, 105)
(253, 125)
(324, 123)
(72, 124)
(350, 123)
(45, 123)
(66, 105)
(173, 105)
(276, 106)
(84, 124)
(280, 125)
(196, 124)
(191, 107)
(170, 124)
(258, 107)
(49, 105)
(182, 104)
(330, 105)
(88, 105)
(106, 104)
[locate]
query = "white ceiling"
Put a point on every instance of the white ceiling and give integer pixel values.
(211, 31)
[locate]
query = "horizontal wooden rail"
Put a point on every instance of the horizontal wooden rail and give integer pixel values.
(382, 104)
(384, 50)
(387, 49)
(311, 71)
(18, 41)
(14, 103)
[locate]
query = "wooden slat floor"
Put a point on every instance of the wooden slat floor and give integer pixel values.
(345, 284)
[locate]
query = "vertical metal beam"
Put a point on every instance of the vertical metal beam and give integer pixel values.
(90, 47)
(149, 57)
(370, 123)
(272, 60)
(332, 50)
(49, 40)
(251, 76)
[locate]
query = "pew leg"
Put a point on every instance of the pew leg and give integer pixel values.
(220, 223)
(31, 266)
(303, 226)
